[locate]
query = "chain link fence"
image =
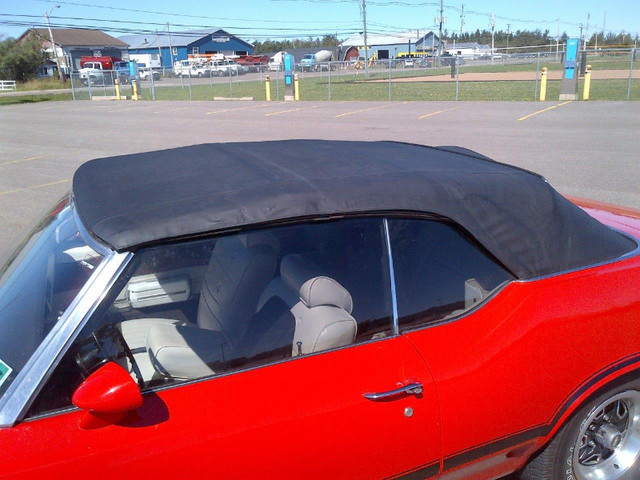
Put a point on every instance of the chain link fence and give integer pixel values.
(615, 75)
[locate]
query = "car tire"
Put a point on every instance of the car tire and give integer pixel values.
(601, 440)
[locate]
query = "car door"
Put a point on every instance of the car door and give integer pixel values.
(362, 408)
(444, 281)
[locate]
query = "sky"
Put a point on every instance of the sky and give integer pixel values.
(274, 19)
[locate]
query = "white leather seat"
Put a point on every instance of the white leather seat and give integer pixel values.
(239, 269)
(322, 317)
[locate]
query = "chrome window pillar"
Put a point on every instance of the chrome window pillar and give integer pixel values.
(392, 277)
(18, 397)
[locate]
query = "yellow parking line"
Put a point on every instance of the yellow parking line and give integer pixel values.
(22, 160)
(233, 109)
(360, 111)
(436, 113)
(35, 186)
(544, 110)
(287, 111)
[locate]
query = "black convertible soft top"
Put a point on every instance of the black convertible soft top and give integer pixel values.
(134, 200)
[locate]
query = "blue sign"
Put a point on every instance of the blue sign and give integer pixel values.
(570, 60)
(288, 60)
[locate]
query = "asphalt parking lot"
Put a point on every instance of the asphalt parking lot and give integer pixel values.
(584, 149)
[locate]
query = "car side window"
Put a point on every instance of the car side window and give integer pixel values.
(208, 307)
(440, 272)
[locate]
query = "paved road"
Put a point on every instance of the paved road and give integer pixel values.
(587, 149)
(584, 149)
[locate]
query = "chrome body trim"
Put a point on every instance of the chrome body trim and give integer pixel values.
(626, 256)
(18, 397)
(392, 277)
(98, 246)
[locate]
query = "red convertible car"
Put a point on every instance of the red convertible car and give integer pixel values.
(321, 310)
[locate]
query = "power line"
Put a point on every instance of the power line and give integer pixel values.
(176, 14)
(133, 22)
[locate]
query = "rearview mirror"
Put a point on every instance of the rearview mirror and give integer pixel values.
(107, 394)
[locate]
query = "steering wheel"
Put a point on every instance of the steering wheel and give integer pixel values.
(105, 345)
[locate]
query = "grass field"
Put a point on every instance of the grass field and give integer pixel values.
(43, 84)
(13, 100)
(352, 86)
(317, 89)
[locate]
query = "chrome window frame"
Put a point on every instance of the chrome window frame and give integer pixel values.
(392, 278)
(18, 398)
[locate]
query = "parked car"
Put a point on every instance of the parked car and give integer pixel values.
(224, 67)
(145, 72)
(320, 310)
(446, 60)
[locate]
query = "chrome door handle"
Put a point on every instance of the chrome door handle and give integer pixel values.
(413, 388)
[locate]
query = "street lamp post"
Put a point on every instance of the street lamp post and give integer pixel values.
(53, 45)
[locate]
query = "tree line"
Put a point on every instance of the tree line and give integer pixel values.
(525, 38)
(518, 38)
(270, 46)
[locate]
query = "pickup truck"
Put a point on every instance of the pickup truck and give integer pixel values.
(185, 68)
(224, 67)
(145, 72)
(93, 73)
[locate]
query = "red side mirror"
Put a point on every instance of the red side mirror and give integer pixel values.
(108, 393)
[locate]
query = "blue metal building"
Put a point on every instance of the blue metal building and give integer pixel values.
(186, 43)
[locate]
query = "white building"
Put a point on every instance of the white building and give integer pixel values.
(468, 49)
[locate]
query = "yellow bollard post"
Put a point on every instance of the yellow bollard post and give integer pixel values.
(134, 84)
(267, 84)
(296, 87)
(543, 84)
(117, 83)
(587, 82)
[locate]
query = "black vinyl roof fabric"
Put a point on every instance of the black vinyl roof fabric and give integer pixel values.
(134, 200)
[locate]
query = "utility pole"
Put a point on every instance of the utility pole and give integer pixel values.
(53, 44)
(586, 34)
(363, 5)
(461, 21)
(581, 27)
(441, 21)
(604, 22)
(508, 33)
(159, 52)
(170, 48)
(558, 43)
(493, 29)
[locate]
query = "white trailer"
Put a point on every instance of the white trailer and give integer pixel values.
(151, 60)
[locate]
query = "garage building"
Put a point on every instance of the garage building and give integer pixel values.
(177, 46)
(71, 44)
(389, 46)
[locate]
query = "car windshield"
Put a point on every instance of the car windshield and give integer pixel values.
(37, 284)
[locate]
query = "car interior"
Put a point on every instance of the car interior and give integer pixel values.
(259, 297)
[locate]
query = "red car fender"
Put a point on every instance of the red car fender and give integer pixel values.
(624, 371)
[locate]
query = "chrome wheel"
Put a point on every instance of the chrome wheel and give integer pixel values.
(608, 445)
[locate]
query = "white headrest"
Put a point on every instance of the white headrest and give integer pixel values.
(319, 291)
